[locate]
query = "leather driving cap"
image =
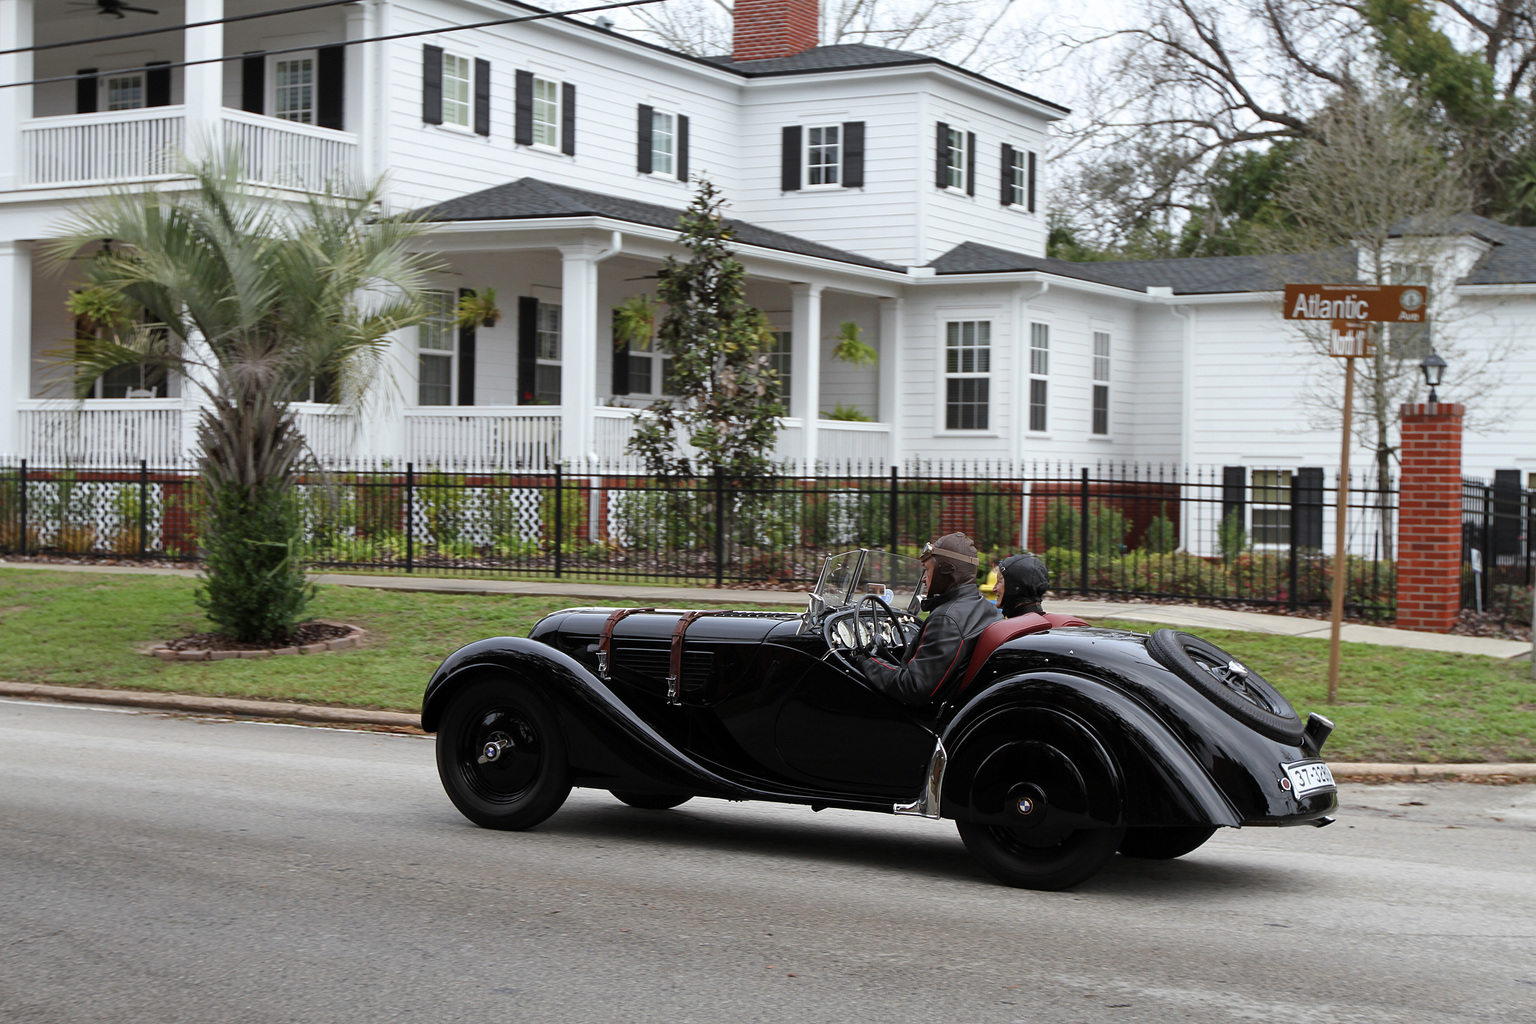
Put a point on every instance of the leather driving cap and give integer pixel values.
(954, 547)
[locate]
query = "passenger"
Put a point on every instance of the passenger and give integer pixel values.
(957, 615)
(1022, 581)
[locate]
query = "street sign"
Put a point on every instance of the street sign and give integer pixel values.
(1350, 339)
(1376, 303)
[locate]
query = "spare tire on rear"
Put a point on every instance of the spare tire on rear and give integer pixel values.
(1232, 686)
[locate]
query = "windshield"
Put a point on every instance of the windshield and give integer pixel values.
(849, 575)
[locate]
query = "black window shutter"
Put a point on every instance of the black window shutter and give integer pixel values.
(157, 84)
(970, 163)
(1030, 185)
(466, 358)
(253, 83)
(85, 91)
(682, 148)
(482, 97)
(1506, 512)
(853, 154)
(1307, 508)
(331, 87)
(789, 159)
(941, 156)
(1007, 195)
(1234, 487)
(644, 128)
(432, 84)
(620, 367)
(527, 350)
(568, 119)
(522, 131)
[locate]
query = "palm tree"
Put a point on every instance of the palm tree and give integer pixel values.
(248, 298)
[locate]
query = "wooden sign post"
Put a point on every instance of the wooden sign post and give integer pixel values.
(1352, 308)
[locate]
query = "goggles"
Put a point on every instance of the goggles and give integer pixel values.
(930, 552)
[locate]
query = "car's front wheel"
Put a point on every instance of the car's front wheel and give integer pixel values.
(501, 755)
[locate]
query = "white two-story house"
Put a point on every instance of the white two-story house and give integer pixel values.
(881, 187)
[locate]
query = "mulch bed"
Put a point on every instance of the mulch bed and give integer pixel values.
(307, 633)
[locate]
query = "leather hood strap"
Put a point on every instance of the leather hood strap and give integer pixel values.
(679, 635)
(605, 639)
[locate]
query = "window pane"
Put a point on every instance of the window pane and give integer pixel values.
(956, 158)
(1272, 486)
(663, 144)
(456, 90)
(293, 90)
(1100, 408)
(546, 384)
(823, 155)
(966, 403)
(639, 374)
(546, 112)
(1100, 355)
(779, 357)
(437, 331)
(1019, 179)
(1271, 525)
(436, 381)
(125, 92)
(1039, 349)
(547, 340)
(1037, 405)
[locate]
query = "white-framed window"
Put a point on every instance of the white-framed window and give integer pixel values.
(293, 87)
(1018, 180)
(1271, 507)
(663, 143)
(546, 113)
(437, 350)
(135, 380)
(1039, 374)
(967, 374)
(458, 90)
(823, 155)
(123, 92)
(781, 360)
(1101, 348)
(546, 350)
(956, 164)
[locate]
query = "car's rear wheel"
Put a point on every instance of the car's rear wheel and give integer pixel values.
(649, 801)
(501, 755)
(1048, 812)
(1165, 842)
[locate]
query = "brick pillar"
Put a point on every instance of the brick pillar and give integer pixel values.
(774, 28)
(1429, 518)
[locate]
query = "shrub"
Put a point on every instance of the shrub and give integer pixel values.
(1063, 527)
(254, 588)
(1232, 536)
(1161, 536)
(1177, 574)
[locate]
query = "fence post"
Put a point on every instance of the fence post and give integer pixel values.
(895, 522)
(410, 515)
(559, 515)
(24, 551)
(143, 508)
(719, 526)
(1083, 537)
(1490, 556)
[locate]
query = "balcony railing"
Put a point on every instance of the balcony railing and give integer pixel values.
(483, 437)
(138, 145)
(103, 432)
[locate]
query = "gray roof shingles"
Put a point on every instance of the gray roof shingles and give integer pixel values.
(532, 199)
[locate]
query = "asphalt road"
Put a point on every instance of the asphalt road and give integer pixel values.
(166, 870)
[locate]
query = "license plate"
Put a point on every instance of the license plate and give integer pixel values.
(1308, 777)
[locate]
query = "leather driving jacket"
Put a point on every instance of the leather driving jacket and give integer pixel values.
(941, 651)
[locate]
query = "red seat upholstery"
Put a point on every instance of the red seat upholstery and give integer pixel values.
(999, 633)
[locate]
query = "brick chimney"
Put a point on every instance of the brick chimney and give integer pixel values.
(775, 28)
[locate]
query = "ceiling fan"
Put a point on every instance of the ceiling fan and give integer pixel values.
(115, 8)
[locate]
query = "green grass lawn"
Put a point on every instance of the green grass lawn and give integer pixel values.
(83, 629)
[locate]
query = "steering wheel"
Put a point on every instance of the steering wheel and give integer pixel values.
(859, 629)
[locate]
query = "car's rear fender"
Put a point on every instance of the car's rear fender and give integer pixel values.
(1164, 783)
(610, 746)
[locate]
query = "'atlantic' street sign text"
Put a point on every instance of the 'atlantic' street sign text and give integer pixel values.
(1378, 303)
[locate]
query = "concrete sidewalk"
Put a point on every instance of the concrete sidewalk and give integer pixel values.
(1181, 615)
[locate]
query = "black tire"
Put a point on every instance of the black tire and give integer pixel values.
(1008, 856)
(527, 778)
(1049, 810)
(1236, 689)
(649, 801)
(1165, 842)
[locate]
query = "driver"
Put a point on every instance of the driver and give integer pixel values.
(1022, 581)
(957, 615)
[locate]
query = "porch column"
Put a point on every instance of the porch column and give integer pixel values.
(889, 379)
(578, 351)
(805, 366)
(195, 389)
(15, 103)
(203, 85)
(15, 341)
(357, 116)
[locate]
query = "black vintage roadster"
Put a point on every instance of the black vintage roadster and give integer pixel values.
(1061, 745)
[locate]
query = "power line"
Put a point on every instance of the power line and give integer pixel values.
(343, 42)
(174, 28)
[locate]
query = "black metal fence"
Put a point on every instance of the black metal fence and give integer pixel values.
(1498, 523)
(1231, 534)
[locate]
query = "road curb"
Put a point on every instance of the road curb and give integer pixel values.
(212, 705)
(1361, 772)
